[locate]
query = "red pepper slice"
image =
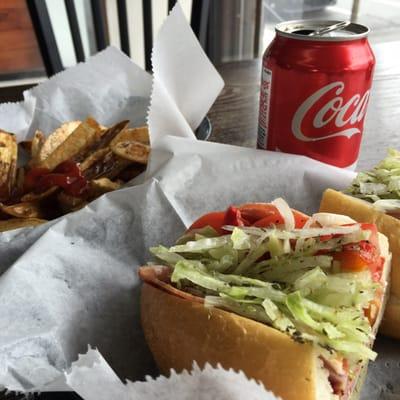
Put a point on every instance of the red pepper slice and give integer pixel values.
(234, 217)
(214, 219)
(251, 214)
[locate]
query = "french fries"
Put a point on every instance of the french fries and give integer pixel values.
(74, 165)
(101, 186)
(132, 151)
(22, 210)
(80, 139)
(56, 138)
(16, 223)
(38, 142)
(8, 164)
(140, 134)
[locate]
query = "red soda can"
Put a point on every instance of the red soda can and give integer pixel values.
(315, 91)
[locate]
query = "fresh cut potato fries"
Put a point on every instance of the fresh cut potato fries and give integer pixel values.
(8, 164)
(74, 165)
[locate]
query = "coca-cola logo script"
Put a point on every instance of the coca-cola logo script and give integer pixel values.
(343, 115)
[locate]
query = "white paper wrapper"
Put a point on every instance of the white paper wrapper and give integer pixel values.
(73, 282)
(179, 105)
(108, 87)
(17, 117)
(93, 379)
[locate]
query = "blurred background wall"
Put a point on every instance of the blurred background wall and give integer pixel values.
(236, 29)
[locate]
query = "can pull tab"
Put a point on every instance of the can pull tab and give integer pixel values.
(330, 28)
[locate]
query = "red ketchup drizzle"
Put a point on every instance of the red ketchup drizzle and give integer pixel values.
(66, 175)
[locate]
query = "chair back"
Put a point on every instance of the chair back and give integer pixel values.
(44, 29)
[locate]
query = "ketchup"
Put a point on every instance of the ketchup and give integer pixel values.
(66, 175)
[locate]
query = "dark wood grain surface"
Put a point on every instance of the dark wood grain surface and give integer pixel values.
(18, 47)
(235, 113)
(234, 116)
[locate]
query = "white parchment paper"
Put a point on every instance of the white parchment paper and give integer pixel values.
(93, 379)
(109, 87)
(185, 81)
(73, 281)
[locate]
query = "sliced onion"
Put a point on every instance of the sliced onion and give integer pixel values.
(329, 219)
(334, 230)
(297, 233)
(387, 205)
(286, 213)
(309, 223)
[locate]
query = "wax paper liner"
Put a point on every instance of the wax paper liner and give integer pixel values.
(93, 379)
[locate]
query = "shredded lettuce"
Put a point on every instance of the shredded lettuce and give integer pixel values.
(381, 185)
(187, 270)
(275, 246)
(222, 258)
(346, 290)
(253, 255)
(163, 254)
(298, 233)
(279, 268)
(242, 280)
(244, 295)
(201, 244)
(373, 188)
(240, 240)
(252, 311)
(313, 279)
(352, 349)
(278, 318)
(280, 278)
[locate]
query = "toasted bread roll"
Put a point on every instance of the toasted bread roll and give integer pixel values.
(179, 329)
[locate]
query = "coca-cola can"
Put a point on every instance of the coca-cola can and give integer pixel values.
(315, 91)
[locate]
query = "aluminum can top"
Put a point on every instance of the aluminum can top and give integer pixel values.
(301, 29)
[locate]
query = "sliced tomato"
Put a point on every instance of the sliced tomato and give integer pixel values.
(363, 255)
(373, 238)
(214, 219)
(358, 257)
(351, 261)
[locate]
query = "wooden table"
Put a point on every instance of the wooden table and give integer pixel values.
(234, 116)
(235, 113)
